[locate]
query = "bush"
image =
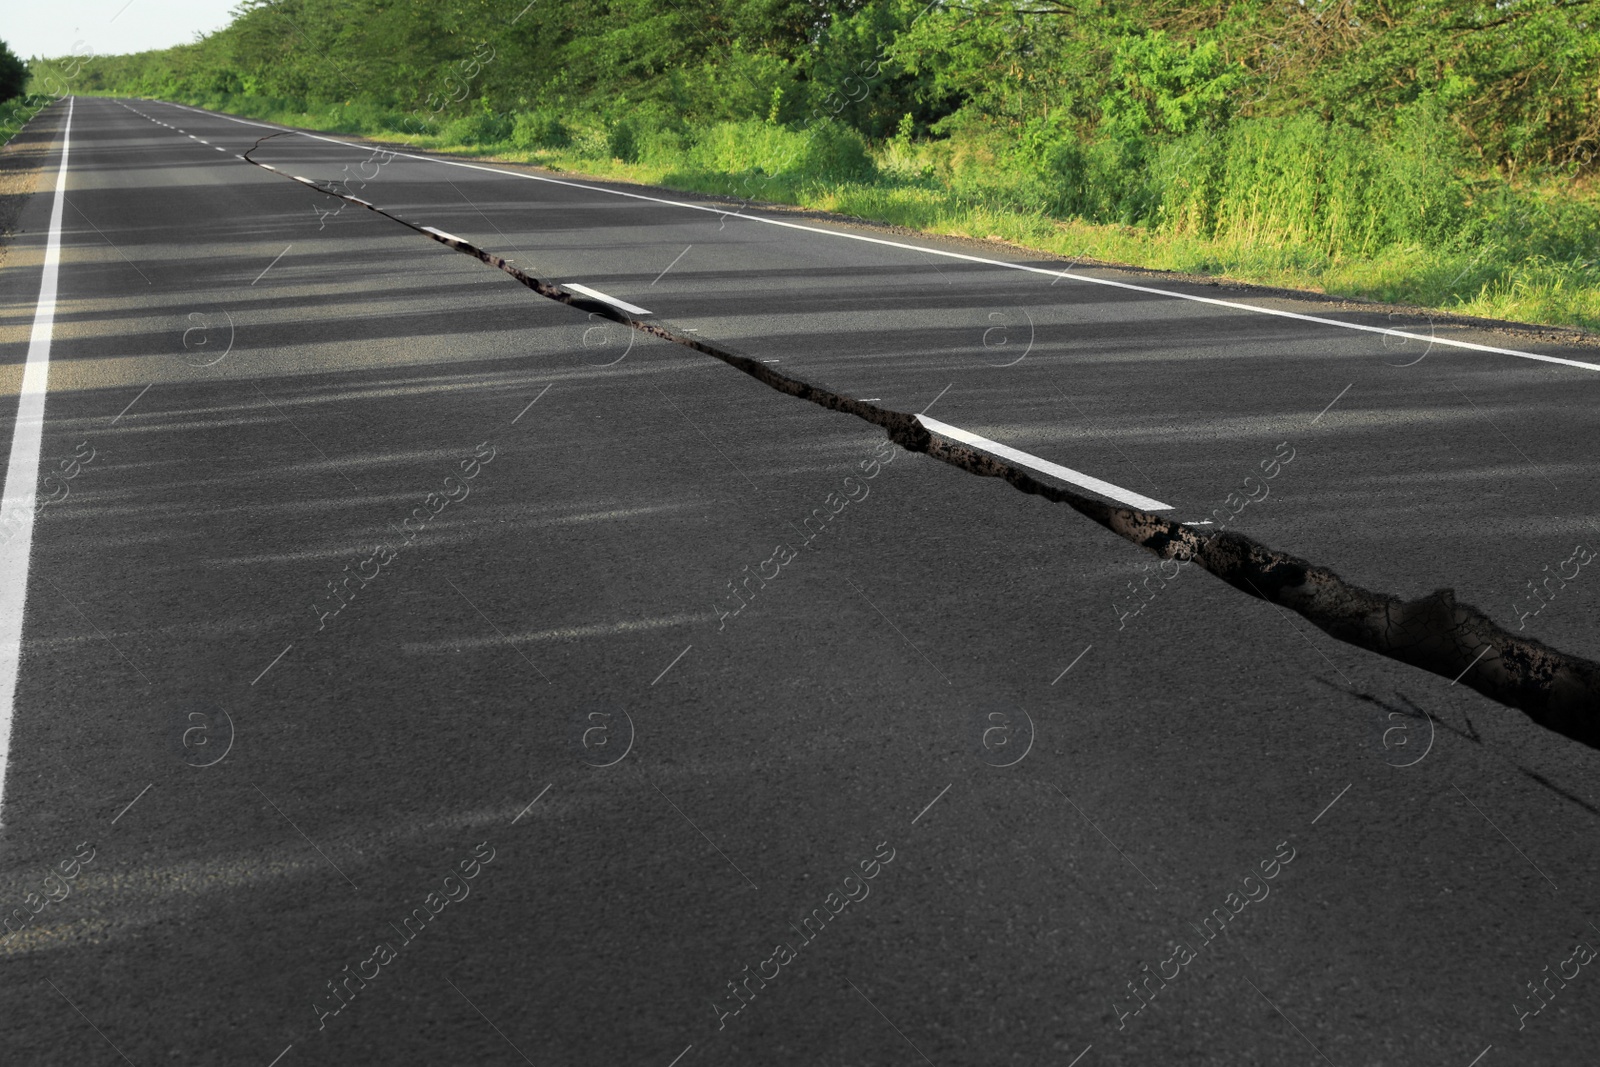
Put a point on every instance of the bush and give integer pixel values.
(415, 125)
(642, 132)
(738, 85)
(824, 152)
(835, 152)
(622, 141)
(540, 129)
(1103, 181)
(13, 74)
(1346, 191)
(477, 129)
(16, 112)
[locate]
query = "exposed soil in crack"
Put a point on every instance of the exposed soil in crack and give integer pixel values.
(1436, 633)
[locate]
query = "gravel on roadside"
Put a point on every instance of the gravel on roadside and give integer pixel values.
(21, 163)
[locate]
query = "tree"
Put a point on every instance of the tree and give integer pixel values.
(13, 74)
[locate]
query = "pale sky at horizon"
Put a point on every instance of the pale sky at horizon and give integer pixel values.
(108, 27)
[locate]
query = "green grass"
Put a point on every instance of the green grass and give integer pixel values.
(15, 113)
(1286, 202)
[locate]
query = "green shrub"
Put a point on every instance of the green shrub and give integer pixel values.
(477, 129)
(622, 141)
(16, 112)
(642, 133)
(834, 152)
(13, 74)
(1272, 181)
(540, 129)
(1102, 181)
(826, 151)
(416, 125)
(1346, 191)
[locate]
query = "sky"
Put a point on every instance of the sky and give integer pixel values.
(108, 27)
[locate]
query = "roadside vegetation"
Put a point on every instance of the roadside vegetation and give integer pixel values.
(1432, 152)
(14, 106)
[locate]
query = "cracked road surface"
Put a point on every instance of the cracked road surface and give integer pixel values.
(432, 672)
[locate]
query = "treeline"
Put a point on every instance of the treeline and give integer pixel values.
(1519, 80)
(1330, 130)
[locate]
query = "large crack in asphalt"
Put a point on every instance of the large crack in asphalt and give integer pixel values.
(1435, 633)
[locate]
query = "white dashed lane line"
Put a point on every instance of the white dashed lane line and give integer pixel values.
(1044, 466)
(632, 309)
(1089, 279)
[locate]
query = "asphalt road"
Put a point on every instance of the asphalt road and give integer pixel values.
(364, 580)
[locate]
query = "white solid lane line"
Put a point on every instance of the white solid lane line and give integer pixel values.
(22, 473)
(613, 301)
(1109, 282)
(1044, 466)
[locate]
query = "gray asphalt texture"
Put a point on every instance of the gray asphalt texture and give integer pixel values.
(270, 385)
